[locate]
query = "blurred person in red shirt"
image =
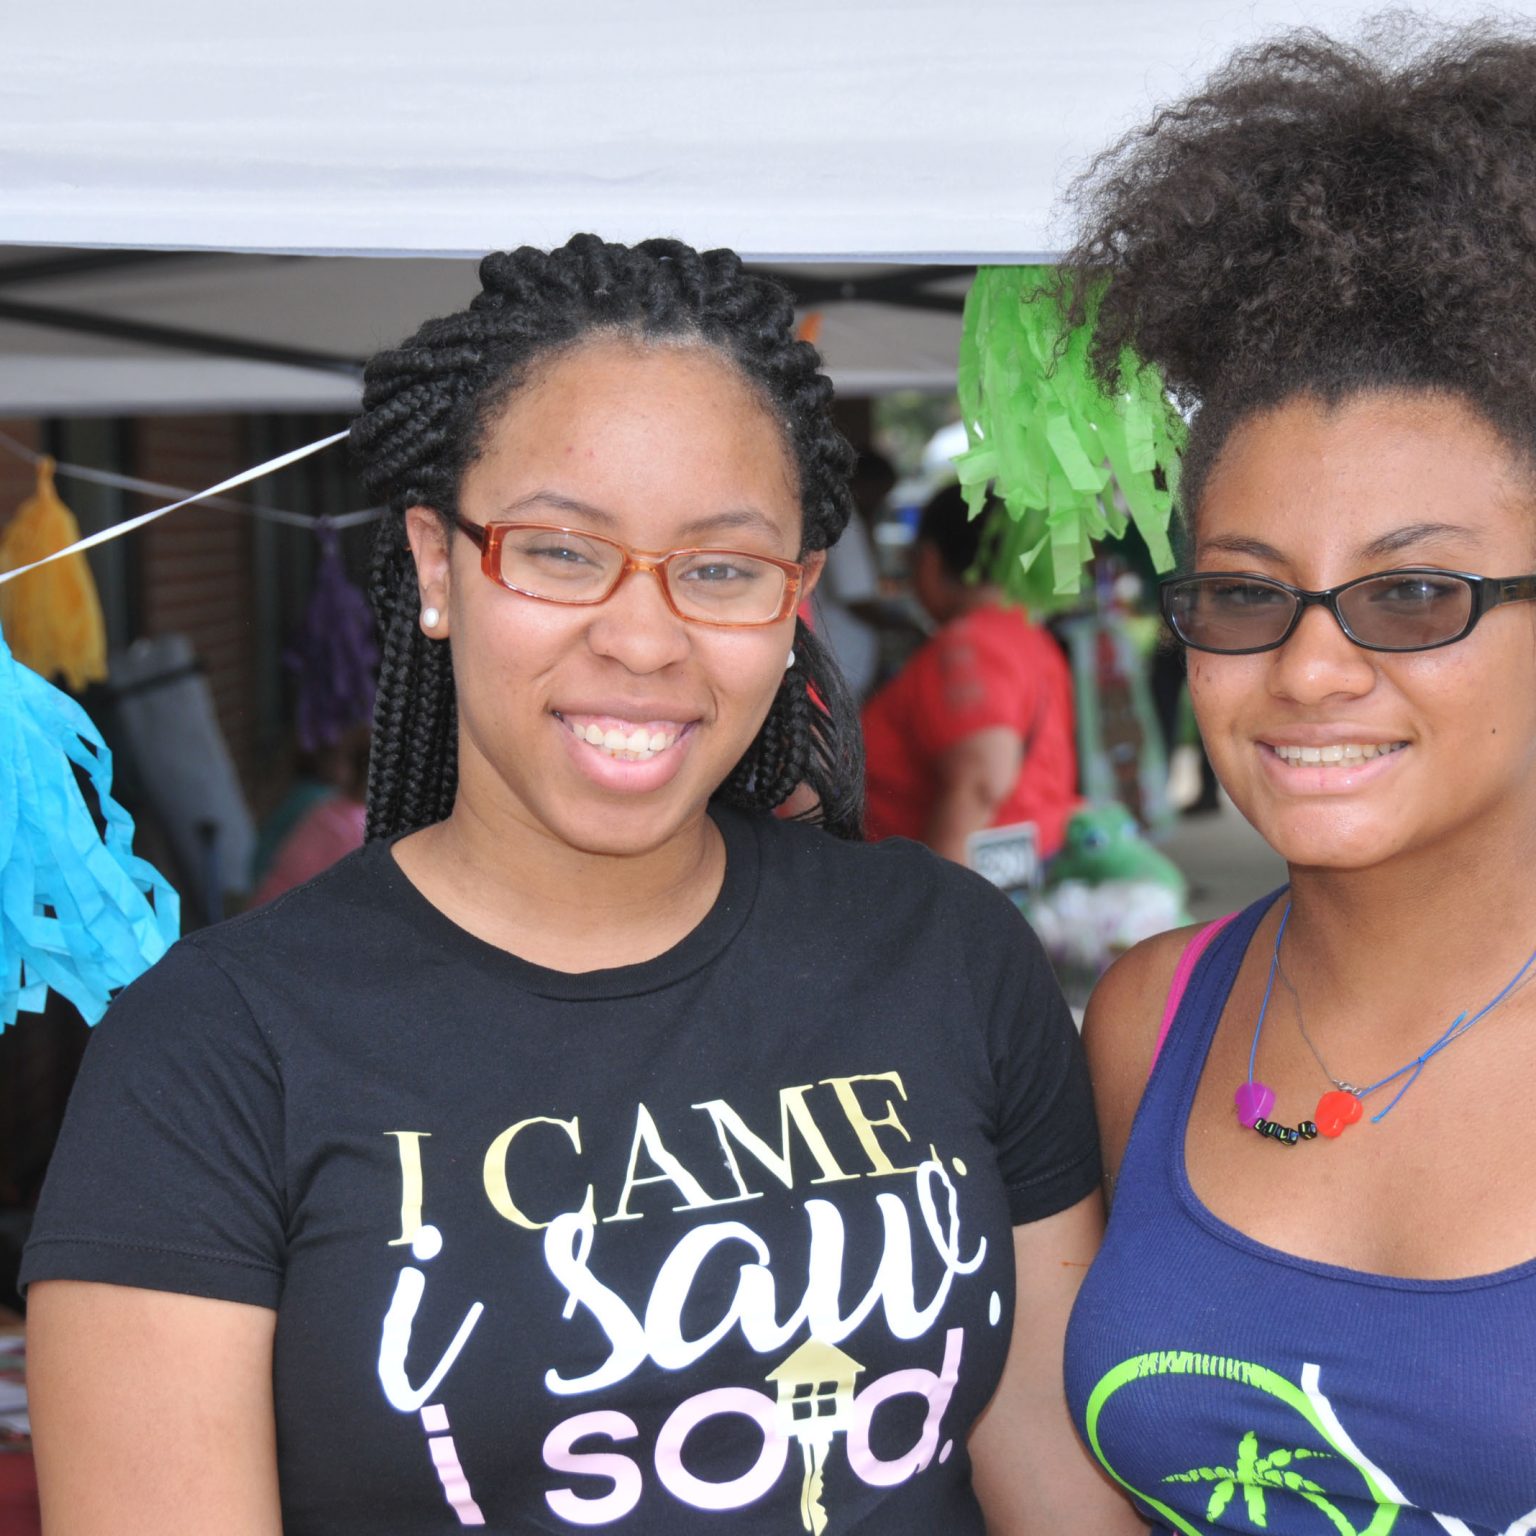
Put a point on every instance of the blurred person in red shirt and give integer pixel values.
(977, 729)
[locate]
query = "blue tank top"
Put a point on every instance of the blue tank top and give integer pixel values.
(1232, 1387)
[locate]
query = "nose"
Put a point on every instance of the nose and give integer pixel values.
(1320, 662)
(636, 628)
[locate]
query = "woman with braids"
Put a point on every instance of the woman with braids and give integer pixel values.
(1315, 1308)
(593, 1148)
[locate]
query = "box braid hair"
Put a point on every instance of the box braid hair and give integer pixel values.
(428, 406)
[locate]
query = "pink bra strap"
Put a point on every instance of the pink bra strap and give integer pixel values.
(1182, 972)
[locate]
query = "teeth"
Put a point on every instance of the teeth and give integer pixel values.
(1349, 752)
(638, 746)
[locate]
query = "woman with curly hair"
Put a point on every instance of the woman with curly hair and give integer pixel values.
(1315, 1309)
(593, 1148)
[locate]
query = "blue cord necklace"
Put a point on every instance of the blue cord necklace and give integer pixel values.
(1342, 1106)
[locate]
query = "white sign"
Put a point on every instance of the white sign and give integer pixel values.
(1007, 856)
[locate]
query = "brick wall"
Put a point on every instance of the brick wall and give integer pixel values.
(17, 477)
(193, 569)
(195, 566)
(197, 572)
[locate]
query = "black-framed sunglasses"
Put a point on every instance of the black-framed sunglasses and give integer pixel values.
(1417, 608)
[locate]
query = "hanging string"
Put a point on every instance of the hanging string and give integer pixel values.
(124, 482)
(121, 482)
(117, 530)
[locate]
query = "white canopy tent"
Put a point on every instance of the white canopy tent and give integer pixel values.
(210, 331)
(846, 132)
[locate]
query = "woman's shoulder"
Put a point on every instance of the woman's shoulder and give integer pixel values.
(315, 929)
(1121, 1029)
(357, 883)
(206, 1000)
(1135, 987)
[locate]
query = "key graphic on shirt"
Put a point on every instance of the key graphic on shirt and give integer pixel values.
(815, 1402)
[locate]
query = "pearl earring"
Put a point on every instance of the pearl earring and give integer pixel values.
(430, 618)
(788, 664)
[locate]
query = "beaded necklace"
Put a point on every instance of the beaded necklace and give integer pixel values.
(1343, 1104)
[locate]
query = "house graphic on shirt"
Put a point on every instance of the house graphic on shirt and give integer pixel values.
(815, 1402)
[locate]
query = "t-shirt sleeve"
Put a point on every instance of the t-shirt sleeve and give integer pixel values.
(1046, 1136)
(962, 689)
(168, 1173)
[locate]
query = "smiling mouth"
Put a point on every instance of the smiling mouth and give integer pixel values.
(623, 740)
(1343, 752)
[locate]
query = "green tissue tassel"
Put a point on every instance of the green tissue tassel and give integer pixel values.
(1053, 446)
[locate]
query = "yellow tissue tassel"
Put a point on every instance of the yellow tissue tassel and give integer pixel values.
(52, 617)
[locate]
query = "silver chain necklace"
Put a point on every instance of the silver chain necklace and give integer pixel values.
(1301, 1024)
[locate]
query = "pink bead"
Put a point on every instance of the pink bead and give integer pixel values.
(1254, 1102)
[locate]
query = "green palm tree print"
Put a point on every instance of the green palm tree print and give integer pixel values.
(1261, 1477)
(1253, 1474)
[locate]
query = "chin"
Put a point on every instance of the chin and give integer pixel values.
(620, 831)
(1339, 838)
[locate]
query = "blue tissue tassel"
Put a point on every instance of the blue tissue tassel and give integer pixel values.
(79, 912)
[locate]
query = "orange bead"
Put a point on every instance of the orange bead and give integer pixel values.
(1335, 1110)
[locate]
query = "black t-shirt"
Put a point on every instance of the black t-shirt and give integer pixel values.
(716, 1241)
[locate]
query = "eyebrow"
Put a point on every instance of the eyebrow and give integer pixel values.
(1391, 543)
(738, 517)
(715, 522)
(1418, 533)
(1239, 544)
(560, 503)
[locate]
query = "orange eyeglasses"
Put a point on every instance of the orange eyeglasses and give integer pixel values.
(728, 588)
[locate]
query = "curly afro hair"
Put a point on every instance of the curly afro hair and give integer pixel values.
(1326, 219)
(428, 406)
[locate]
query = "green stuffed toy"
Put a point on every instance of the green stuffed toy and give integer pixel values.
(1104, 844)
(1107, 890)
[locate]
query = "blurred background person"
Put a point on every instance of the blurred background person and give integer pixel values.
(977, 730)
(320, 821)
(851, 614)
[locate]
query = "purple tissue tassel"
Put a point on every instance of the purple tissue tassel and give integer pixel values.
(335, 656)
